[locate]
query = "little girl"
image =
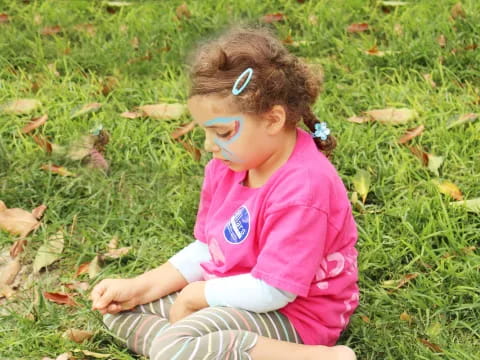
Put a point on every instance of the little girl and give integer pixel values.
(272, 273)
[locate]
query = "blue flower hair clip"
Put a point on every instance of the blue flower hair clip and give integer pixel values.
(235, 90)
(321, 131)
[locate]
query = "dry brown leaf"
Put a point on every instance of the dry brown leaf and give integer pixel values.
(43, 143)
(429, 80)
(182, 130)
(163, 111)
(87, 28)
(35, 123)
(20, 106)
(448, 188)
(405, 317)
(359, 119)
(78, 285)
(192, 149)
(38, 211)
(431, 346)
(17, 221)
(135, 43)
(392, 116)
(51, 30)
(457, 11)
(82, 269)
(109, 84)
(4, 18)
(131, 114)
(94, 267)
(60, 170)
(270, 18)
(117, 253)
(64, 356)
(356, 28)
(17, 247)
(182, 11)
(6, 291)
(60, 298)
(77, 335)
(411, 133)
(374, 51)
(441, 40)
(9, 271)
(365, 319)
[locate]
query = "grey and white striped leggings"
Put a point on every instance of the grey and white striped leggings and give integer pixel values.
(210, 333)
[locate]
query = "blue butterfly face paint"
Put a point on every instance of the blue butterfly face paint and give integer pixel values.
(224, 144)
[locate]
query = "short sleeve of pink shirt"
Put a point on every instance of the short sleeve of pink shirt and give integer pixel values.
(296, 232)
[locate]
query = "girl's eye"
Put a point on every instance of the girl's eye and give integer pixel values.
(224, 135)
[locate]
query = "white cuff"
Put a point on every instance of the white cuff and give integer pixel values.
(246, 292)
(187, 261)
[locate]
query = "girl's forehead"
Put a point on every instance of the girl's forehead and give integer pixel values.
(211, 111)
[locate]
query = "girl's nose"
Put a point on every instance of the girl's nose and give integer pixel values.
(210, 145)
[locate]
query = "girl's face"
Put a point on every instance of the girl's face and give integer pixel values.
(240, 140)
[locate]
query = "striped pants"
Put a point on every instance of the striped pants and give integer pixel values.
(210, 333)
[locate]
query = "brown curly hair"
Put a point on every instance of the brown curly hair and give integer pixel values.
(279, 78)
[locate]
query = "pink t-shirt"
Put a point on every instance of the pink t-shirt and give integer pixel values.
(296, 232)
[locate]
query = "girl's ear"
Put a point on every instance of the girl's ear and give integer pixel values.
(275, 119)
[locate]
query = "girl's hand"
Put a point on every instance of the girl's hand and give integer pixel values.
(188, 301)
(114, 295)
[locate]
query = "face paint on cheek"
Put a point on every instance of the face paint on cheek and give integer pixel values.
(224, 144)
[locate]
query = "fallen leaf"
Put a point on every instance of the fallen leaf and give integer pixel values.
(60, 170)
(313, 19)
(374, 51)
(109, 84)
(457, 11)
(431, 346)
(43, 143)
(183, 12)
(78, 285)
(85, 109)
(118, 3)
(35, 123)
(405, 317)
(355, 28)
(359, 119)
(406, 279)
(448, 188)
(50, 252)
(38, 211)
(193, 150)
(9, 271)
(432, 162)
(18, 247)
(93, 354)
(77, 335)
(51, 30)
(398, 29)
(394, 3)
(135, 43)
(94, 267)
(4, 18)
(131, 114)
(163, 111)
(21, 106)
(17, 221)
(87, 28)
(64, 356)
(411, 133)
(392, 116)
(472, 205)
(82, 269)
(270, 18)
(462, 119)
(365, 319)
(182, 130)
(117, 253)
(6, 291)
(429, 80)
(361, 182)
(441, 40)
(60, 298)
(397, 284)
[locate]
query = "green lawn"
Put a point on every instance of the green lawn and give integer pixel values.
(149, 197)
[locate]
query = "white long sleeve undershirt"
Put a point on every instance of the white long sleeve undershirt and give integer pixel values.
(241, 291)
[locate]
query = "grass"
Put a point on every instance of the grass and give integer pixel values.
(149, 198)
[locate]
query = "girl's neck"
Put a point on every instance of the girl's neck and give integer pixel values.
(258, 176)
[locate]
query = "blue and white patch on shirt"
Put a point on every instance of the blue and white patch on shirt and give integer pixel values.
(238, 227)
